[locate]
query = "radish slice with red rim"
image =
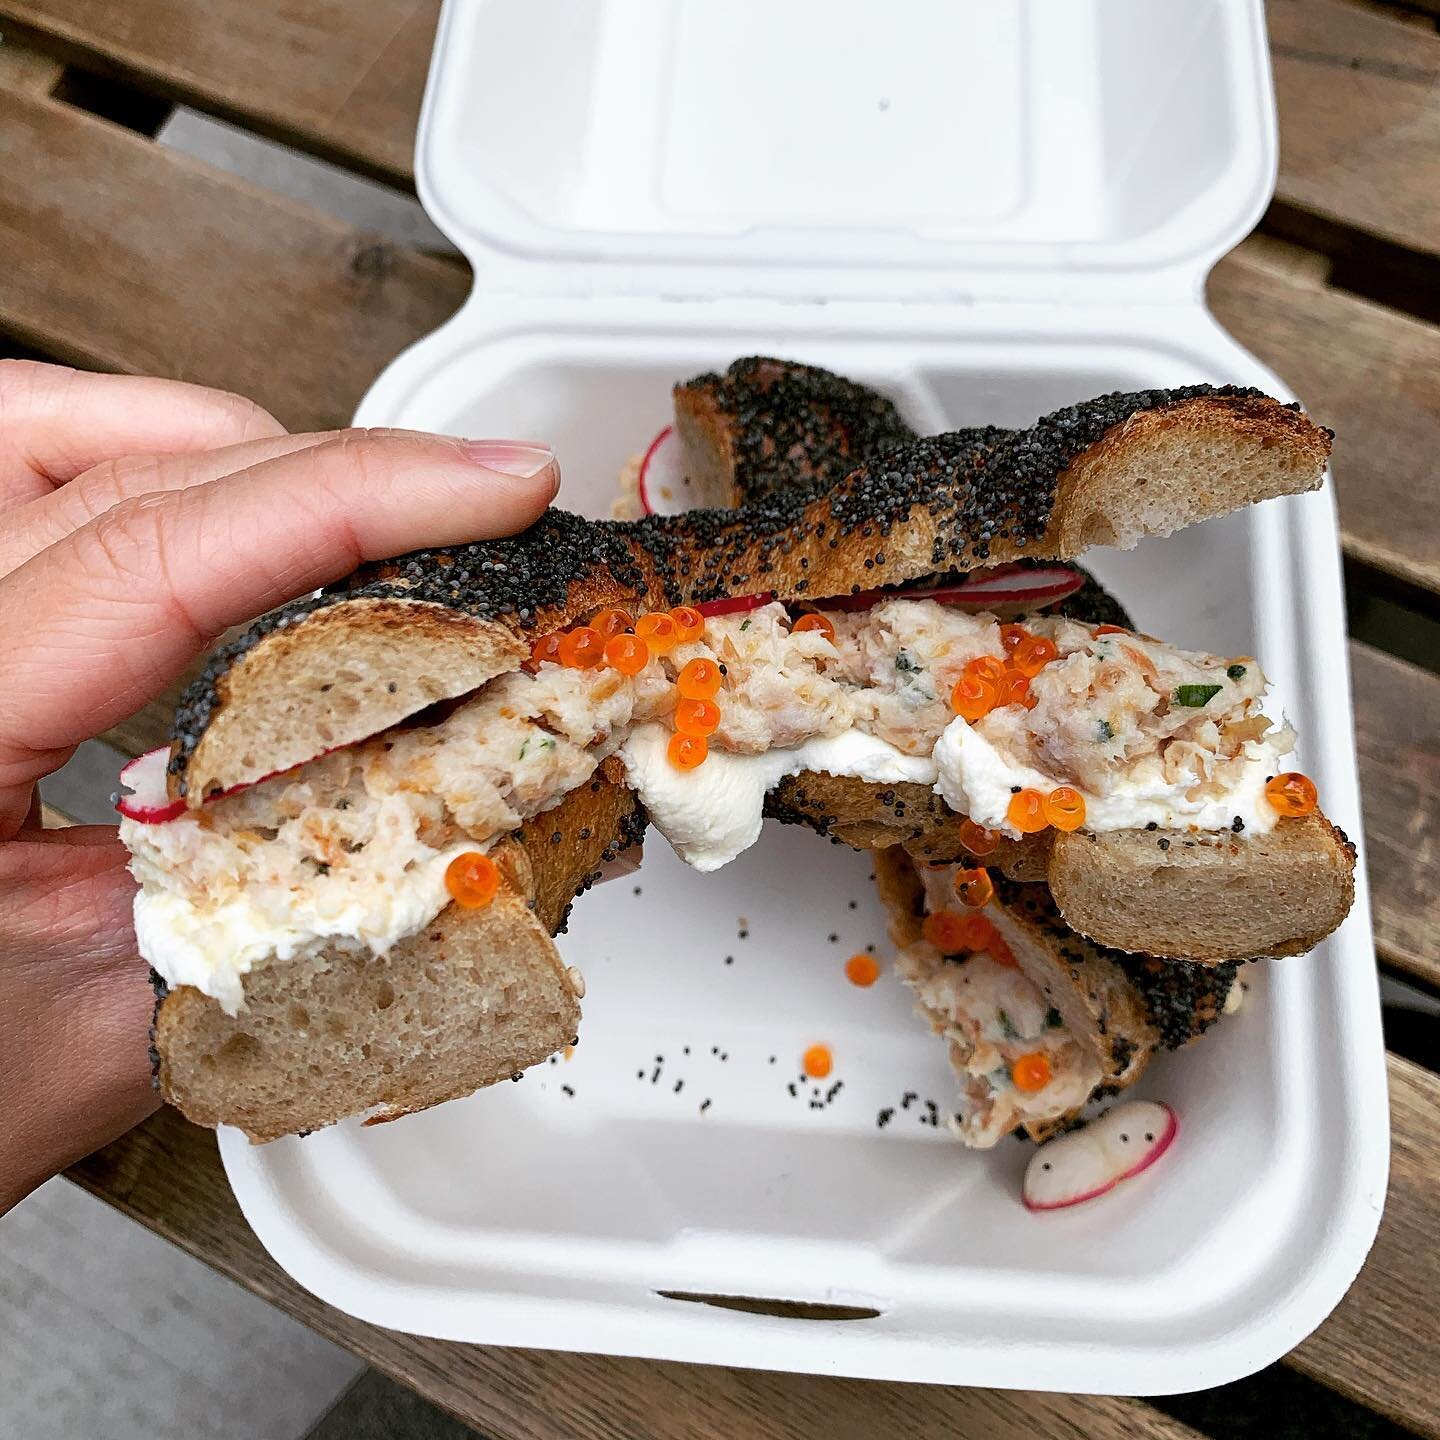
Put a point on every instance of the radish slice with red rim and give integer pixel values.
(148, 801)
(982, 590)
(1093, 1160)
(736, 604)
(151, 805)
(662, 476)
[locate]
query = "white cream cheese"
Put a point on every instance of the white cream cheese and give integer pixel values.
(214, 946)
(714, 812)
(977, 779)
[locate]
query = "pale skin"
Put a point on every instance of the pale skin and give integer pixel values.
(139, 519)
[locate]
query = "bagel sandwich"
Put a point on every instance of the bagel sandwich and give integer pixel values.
(380, 801)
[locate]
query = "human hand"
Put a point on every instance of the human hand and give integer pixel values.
(139, 519)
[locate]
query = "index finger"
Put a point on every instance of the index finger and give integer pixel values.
(55, 422)
(116, 610)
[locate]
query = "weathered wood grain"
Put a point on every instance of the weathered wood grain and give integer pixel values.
(1397, 732)
(123, 255)
(1359, 99)
(27, 71)
(1372, 375)
(1380, 1346)
(342, 80)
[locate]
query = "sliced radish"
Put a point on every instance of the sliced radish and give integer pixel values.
(1088, 1162)
(736, 604)
(148, 801)
(1002, 585)
(662, 476)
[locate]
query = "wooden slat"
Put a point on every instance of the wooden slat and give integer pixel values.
(335, 77)
(1397, 731)
(1380, 1346)
(167, 1175)
(1369, 373)
(27, 71)
(124, 255)
(1359, 99)
(147, 728)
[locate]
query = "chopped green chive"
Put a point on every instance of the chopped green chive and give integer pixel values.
(1053, 1018)
(1195, 695)
(1235, 672)
(1006, 1028)
(1103, 731)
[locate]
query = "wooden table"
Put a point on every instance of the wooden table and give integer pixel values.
(118, 253)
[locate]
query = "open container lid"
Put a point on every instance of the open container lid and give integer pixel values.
(929, 148)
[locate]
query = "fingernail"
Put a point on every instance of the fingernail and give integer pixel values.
(522, 458)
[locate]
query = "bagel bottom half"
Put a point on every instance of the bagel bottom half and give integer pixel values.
(475, 997)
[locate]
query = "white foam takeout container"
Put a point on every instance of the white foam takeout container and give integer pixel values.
(988, 211)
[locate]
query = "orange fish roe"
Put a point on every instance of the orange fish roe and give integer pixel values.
(1000, 952)
(472, 880)
(685, 752)
(1026, 812)
(1011, 636)
(973, 697)
(697, 717)
(974, 887)
(946, 931)
(1031, 656)
(813, 621)
(546, 648)
(659, 631)
(987, 667)
(862, 970)
(817, 1062)
(1292, 794)
(628, 654)
(582, 648)
(1065, 808)
(977, 933)
(689, 623)
(699, 680)
(1109, 630)
(976, 838)
(1031, 1072)
(612, 622)
(1015, 690)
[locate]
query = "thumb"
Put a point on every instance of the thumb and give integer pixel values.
(116, 610)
